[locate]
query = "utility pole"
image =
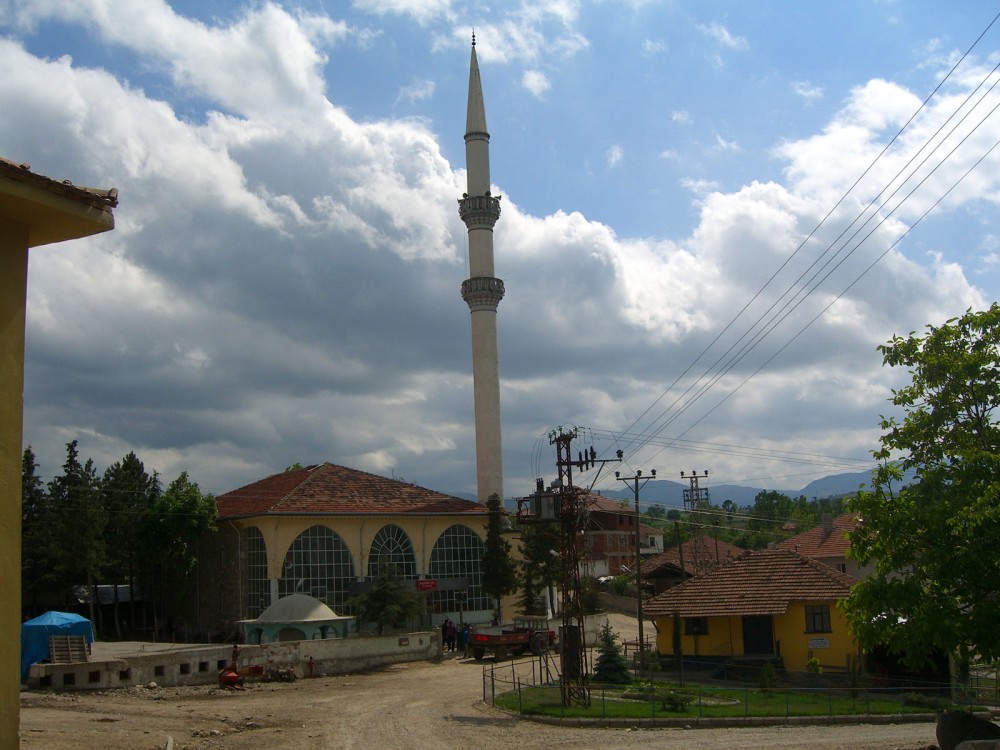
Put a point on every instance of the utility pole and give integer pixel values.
(635, 485)
(566, 504)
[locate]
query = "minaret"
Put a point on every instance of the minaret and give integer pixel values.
(482, 291)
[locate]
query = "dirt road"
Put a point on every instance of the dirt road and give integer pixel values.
(423, 706)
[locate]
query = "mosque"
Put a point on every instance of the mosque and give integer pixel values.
(325, 530)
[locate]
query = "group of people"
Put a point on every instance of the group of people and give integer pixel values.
(455, 637)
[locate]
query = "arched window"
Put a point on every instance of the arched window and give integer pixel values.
(318, 564)
(392, 548)
(257, 583)
(458, 553)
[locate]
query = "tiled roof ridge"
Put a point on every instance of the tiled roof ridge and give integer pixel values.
(103, 199)
(728, 577)
(311, 473)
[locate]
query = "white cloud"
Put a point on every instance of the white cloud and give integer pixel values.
(654, 47)
(614, 156)
(416, 91)
(282, 284)
(422, 11)
(807, 91)
(722, 144)
(536, 82)
(722, 35)
(680, 116)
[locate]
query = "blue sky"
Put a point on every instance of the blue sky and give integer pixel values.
(283, 282)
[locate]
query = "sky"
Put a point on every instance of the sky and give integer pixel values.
(713, 213)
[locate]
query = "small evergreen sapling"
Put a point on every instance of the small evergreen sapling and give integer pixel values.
(612, 666)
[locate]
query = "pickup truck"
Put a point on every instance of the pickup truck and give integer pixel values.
(524, 634)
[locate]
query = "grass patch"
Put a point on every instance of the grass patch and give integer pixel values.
(670, 701)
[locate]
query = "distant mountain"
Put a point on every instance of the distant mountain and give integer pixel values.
(670, 494)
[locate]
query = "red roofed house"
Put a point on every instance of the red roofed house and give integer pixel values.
(324, 530)
(829, 543)
(677, 564)
(767, 603)
(609, 539)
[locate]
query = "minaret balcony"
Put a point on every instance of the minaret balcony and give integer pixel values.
(482, 292)
(479, 211)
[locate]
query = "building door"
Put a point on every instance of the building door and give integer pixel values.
(758, 635)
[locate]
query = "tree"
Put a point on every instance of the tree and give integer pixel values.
(499, 570)
(388, 601)
(130, 496)
(73, 540)
(935, 543)
(177, 518)
(34, 507)
(612, 666)
(540, 566)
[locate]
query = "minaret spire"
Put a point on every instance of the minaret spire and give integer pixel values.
(482, 291)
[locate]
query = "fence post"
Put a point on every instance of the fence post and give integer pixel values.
(786, 703)
(604, 708)
(520, 704)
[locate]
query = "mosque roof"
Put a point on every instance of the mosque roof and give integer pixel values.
(329, 489)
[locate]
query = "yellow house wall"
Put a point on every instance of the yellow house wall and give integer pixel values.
(790, 629)
(725, 638)
(13, 292)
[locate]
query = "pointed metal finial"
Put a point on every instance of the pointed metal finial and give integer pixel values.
(473, 37)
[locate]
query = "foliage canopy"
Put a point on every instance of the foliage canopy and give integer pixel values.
(935, 543)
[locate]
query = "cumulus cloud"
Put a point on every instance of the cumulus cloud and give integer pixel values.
(283, 282)
(536, 82)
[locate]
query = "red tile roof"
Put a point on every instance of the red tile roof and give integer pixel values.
(764, 582)
(823, 541)
(328, 489)
(103, 199)
(700, 554)
(600, 504)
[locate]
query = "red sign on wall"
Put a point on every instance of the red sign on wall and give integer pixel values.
(427, 584)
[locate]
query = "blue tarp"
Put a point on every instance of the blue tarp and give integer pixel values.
(35, 636)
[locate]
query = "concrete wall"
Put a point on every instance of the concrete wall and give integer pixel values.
(200, 665)
(13, 291)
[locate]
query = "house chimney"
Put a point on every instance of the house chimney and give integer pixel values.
(827, 520)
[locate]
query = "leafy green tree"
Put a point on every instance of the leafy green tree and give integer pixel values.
(657, 512)
(611, 667)
(935, 543)
(499, 569)
(388, 601)
(177, 519)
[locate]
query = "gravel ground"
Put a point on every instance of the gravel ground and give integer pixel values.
(423, 705)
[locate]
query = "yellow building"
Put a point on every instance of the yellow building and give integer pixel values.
(325, 530)
(769, 603)
(34, 210)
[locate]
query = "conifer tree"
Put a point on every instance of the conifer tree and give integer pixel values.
(612, 666)
(499, 570)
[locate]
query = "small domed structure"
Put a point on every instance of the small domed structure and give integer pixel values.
(296, 618)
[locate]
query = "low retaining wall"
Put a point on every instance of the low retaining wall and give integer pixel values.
(200, 665)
